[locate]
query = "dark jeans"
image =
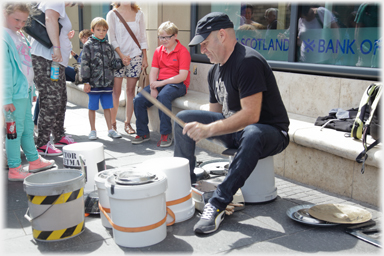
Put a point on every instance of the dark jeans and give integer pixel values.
(255, 142)
(70, 74)
(166, 95)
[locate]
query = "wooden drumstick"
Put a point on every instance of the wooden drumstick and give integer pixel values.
(163, 108)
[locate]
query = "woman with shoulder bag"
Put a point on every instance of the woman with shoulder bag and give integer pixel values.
(127, 50)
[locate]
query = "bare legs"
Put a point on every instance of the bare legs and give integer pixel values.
(131, 84)
(92, 118)
(107, 116)
(130, 94)
(117, 83)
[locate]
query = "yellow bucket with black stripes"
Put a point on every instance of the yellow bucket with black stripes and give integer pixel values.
(55, 204)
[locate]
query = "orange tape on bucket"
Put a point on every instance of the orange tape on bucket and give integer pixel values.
(132, 230)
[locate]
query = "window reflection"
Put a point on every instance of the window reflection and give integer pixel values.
(326, 33)
(265, 28)
(339, 34)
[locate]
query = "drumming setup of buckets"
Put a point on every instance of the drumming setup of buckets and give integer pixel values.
(139, 202)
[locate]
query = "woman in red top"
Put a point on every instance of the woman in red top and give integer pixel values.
(169, 79)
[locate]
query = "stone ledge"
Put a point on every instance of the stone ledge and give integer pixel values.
(302, 131)
(192, 100)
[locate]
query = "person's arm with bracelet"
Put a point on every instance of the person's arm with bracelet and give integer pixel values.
(52, 24)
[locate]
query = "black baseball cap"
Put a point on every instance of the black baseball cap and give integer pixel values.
(211, 22)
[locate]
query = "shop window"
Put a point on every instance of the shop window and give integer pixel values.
(339, 34)
(301, 36)
(263, 27)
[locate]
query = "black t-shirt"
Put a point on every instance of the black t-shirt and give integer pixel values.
(245, 73)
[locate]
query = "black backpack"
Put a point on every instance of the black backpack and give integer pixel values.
(361, 128)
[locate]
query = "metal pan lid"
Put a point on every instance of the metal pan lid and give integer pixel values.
(218, 166)
(302, 217)
(105, 174)
(134, 178)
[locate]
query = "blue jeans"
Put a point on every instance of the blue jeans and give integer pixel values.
(70, 74)
(166, 95)
(255, 142)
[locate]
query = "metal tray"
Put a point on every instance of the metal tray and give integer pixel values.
(134, 178)
(216, 167)
(291, 214)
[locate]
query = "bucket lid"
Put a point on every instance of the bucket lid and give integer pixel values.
(134, 178)
(105, 174)
(101, 177)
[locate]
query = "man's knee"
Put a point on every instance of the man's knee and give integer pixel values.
(184, 115)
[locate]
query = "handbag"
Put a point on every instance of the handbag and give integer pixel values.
(143, 80)
(36, 27)
(144, 77)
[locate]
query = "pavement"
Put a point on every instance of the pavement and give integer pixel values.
(258, 228)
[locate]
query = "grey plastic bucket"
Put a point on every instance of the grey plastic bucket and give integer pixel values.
(56, 204)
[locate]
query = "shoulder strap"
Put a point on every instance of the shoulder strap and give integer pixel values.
(377, 92)
(128, 28)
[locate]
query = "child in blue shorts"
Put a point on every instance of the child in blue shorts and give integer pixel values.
(97, 71)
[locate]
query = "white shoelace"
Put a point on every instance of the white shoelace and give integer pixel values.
(69, 139)
(49, 145)
(208, 212)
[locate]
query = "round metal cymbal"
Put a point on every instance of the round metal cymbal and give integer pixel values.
(340, 213)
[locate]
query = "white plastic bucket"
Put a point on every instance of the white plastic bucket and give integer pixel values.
(93, 155)
(138, 212)
(100, 179)
(260, 185)
(179, 192)
(56, 204)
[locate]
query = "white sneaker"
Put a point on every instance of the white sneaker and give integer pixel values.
(210, 219)
(92, 135)
(114, 134)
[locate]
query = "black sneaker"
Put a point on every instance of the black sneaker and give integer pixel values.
(210, 220)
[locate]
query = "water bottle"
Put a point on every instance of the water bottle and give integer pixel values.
(55, 68)
(11, 125)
